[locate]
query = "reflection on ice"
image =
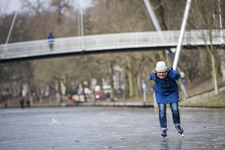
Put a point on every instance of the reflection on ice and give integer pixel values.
(168, 145)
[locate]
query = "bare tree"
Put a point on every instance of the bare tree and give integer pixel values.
(35, 8)
(203, 17)
(61, 6)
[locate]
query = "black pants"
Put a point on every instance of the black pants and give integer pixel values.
(51, 46)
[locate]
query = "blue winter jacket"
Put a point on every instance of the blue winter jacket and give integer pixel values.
(166, 90)
(50, 38)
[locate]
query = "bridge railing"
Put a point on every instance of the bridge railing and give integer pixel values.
(108, 41)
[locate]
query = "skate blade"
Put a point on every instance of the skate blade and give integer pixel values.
(183, 135)
(164, 136)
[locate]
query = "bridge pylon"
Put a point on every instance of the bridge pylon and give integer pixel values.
(168, 52)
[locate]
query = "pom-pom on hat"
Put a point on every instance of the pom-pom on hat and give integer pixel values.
(161, 66)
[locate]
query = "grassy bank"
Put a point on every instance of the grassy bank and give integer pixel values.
(201, 92)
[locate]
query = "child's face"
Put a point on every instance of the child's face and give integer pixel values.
(161, 74)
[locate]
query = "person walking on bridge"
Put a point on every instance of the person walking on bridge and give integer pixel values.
(51, 40)
(166, 92)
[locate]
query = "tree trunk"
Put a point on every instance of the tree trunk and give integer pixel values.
(139, 83)
(126, 86)
(39, 96)
(136, 92)
(204, 65)
(131, 85)
(30, 97)
(130, 77)
(222, 63)
(60, 91)
(85, 98)
(214, 73)
(8, 102)
(111, 83)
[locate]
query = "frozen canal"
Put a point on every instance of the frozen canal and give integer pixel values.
(97, 128)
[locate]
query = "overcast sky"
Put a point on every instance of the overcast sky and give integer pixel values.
(8, 6)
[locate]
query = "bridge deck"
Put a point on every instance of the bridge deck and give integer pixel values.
(107, 42)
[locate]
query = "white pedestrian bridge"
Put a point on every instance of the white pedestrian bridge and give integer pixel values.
(134, 41)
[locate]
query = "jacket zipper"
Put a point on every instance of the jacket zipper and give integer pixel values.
(165, 92)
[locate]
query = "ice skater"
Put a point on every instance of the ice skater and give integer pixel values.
(166, 92)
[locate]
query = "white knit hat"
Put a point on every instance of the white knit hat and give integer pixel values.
(161, 66)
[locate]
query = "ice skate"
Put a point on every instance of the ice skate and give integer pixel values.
(180, 130)
(164, 133)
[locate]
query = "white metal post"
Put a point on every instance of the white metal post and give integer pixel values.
(158, 28)
(152, 15)
(154, 19)
(7, 40)
(185, 18)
